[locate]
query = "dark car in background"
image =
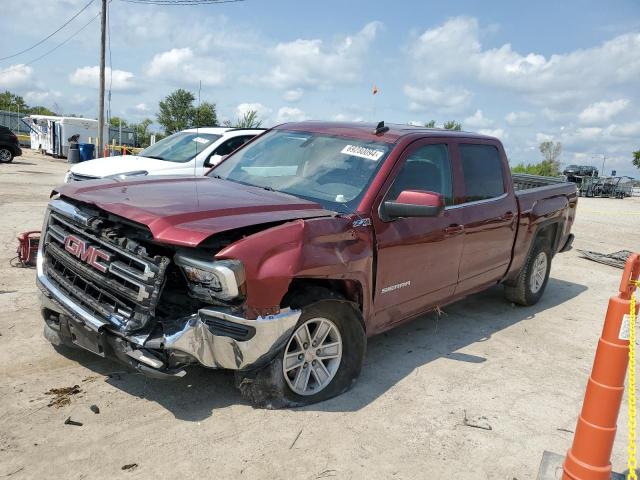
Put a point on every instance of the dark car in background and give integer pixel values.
(580, 171)
(9, 145)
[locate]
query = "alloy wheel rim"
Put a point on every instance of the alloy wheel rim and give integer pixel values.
(312, 356)
(5, 155)
(538, 272)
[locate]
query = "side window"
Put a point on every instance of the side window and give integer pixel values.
(482, 172)
(428, 169)
(229, 146)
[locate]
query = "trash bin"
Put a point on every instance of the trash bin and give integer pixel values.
(86, 151)
(73, 154)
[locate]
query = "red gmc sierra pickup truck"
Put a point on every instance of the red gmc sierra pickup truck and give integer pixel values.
(284, 258)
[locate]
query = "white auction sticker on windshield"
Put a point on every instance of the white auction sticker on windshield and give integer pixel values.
(201, 140)
(362, 152)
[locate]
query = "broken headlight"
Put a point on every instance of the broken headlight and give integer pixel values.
(209, 280)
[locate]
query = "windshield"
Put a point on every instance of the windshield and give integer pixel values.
(332, 171)
(179, 147)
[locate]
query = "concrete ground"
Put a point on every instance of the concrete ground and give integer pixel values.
(519, 373)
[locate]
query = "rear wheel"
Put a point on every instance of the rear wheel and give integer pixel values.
(321, 359)
(6, 155)
(533, 278)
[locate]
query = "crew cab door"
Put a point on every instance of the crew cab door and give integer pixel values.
(489, 214)
(417, 258)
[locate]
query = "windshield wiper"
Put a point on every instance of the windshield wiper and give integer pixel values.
(155, 157)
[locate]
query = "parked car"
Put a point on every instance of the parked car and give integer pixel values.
(190, 152)
(9, 145)
(292, 251)
(580, 171)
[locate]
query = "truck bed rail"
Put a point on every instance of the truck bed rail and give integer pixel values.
(524, 181)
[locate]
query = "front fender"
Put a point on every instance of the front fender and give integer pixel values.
(320, 248)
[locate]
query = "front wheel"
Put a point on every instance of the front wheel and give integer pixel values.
(321, 359)
(6, 155)
(533, 278)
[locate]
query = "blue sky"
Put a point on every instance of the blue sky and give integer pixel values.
(523, 71)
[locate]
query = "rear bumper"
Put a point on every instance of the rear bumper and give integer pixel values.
(211, 337)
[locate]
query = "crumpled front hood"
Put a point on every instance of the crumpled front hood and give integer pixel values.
(187, 210)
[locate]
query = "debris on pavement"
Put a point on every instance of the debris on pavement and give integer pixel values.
(68, 421)
(479, 422)
(130, 466)
(95, 409)
(62, 396)
(615, 259)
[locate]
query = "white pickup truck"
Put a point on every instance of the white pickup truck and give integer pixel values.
(189, 152)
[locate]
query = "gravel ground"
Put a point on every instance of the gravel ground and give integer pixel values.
(519, 373)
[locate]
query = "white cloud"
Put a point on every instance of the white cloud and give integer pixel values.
(14, 76)
(341, 117)
(293, 95)
(304, 62)
(142, 107)
(602, 112)
(477, 120)
(493, 132)
(40, 97)
(426, 98)
(290, 114)
(261, 110)
(89, 77)
(519, 119)
(453, 51)
(626, 130)
(183, 66)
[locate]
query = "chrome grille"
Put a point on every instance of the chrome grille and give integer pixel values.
(126, 293)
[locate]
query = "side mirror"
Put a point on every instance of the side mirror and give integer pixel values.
(413, 203)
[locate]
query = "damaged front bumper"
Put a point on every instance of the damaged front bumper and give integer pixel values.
(211, 337)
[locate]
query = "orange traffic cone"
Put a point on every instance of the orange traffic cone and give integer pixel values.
(589, 458)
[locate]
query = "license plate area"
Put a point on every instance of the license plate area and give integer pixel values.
(85, 337)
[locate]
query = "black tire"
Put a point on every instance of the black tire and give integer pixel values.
(6, 155)
(521, 291)
(266, 387)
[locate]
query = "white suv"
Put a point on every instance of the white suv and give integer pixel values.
(190, 152)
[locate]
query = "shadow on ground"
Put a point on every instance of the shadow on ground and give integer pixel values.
(391, 356)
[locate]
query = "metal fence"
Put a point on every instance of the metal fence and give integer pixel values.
(13, 120)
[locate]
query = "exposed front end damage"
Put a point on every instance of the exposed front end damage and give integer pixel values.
(107, 288)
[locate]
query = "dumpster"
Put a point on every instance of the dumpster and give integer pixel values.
(86, 151)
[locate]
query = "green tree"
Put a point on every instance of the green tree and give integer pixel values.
(551, 153)
(115, 122)
(430, 124)
(40, 110)
(176, 111)
(249, 120)
(142, 132)
(10, 101)
(636, 159)
(543, 168)
(205, 115)
(452, 125)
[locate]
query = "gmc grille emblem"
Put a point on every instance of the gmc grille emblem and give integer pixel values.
(87, 253)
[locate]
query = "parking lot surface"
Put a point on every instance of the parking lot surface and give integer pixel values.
(517, 375)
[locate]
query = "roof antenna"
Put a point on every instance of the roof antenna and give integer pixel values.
(380, 129)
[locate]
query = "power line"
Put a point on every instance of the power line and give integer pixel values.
(180, 2)
(50, 35)
(16, 67)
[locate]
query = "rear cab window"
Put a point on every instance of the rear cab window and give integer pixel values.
(482, 172)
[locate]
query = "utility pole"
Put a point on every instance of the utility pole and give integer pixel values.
(103, 25)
